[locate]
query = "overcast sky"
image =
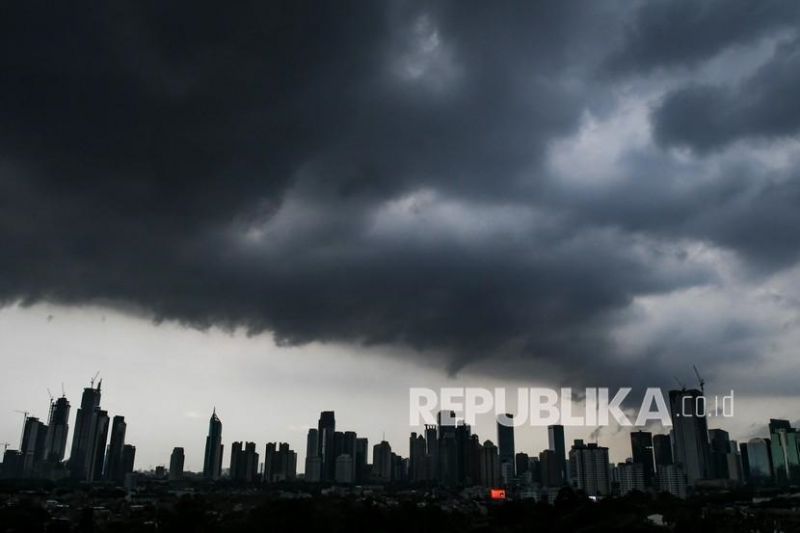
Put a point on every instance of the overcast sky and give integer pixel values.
(283, 208)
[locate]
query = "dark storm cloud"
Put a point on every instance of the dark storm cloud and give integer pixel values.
(705, 117)
(681, 33)
(349, 172)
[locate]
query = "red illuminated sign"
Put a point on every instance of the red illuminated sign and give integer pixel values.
(497, 494)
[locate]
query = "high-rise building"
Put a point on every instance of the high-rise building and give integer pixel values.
(662, 450)
(432, 451)
(32, 447)
(212, 460)
(81, 460)
(785, 447)
(556, 442)
(416, 458)
(505, 444)
(233, 466)
(11, 467)
(382, 462)
(244, 462)
(778, 423)
(590, 468)
(489, 465)
(522, 463)
(550, 469)
(642, 453)
(399, 468)
(630, 477)
(466, 471)
(759, 454)
(362, 451)
(115, 446)
(327, 444)
(97, 453)
(349, 448)
(128, 459)
(720, 447)
(671, 479)
(176, 461)
(57, 428)
(280, 463)
(313, 461)
(735, 465)
(690, 430)
(344, 469)
(745, 459)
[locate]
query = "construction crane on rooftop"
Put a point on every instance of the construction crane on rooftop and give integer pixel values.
(700, 379)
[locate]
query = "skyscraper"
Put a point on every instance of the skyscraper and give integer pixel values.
(720, 447)
(212, 461)
(489, 465)
(128, 459)
(432, 451)
(505, 442)
(362, 449)
(327, 444)
(662, 450)
(382, 462)
(280, 463)
(630, 477)
(760, 461)
(671, 479)
(244, 462)
(83, 439)
(97, 450)
(690, 430)
(116, 445)
(57, 429)
(642, 453)
(32, 447)
(313, 468)
(589, 464)
(555, 441)
(416, 457)
(550, 469)
(176, 461)
(778, 423)
(785, 447)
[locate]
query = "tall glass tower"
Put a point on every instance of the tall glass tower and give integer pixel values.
(212, 463)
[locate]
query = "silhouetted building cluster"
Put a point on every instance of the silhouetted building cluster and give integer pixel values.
(447, 453)
(92, 457)
(335, 456)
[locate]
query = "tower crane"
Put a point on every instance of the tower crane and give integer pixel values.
(700, 379)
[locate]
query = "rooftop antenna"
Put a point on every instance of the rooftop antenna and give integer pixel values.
(63, 392)
(699, 379)
(680, 383)
(50, 394)
(91, 381)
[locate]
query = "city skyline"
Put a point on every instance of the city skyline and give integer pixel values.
(693, 453)
(291, 424)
